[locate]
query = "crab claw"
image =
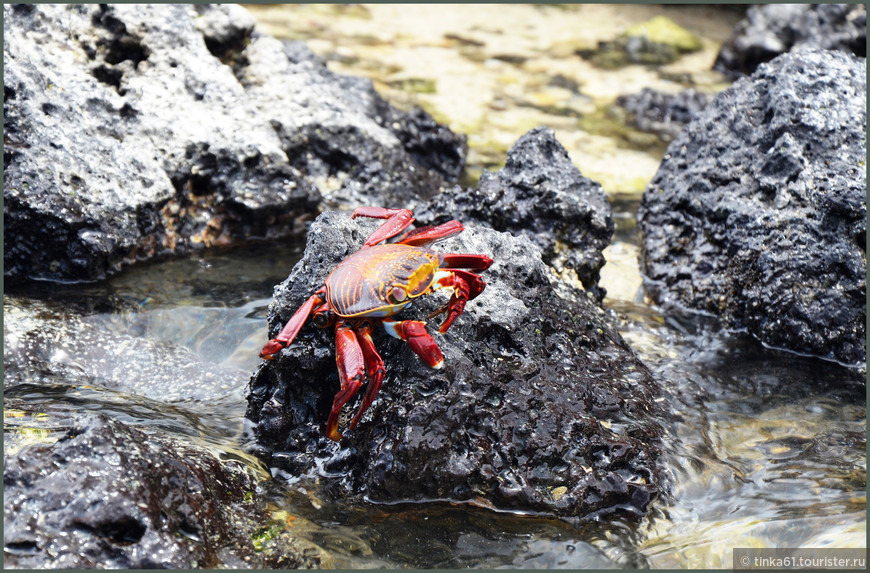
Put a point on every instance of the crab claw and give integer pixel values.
(421, 342)
(271, 349)
(291, 329)
(466, 286)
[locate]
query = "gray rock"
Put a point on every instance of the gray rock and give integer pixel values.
(540, 404)
(539, 194)
(134, 131)
(95, 493)
(757, 213)
(772, 29)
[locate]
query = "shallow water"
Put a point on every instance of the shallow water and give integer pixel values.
(495, 71)
(767, 448)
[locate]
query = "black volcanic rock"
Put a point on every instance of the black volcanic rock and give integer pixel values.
(539, 194)
(96, 493)
(133, 131)
(540, 404)
(769, 30)
(757, 213)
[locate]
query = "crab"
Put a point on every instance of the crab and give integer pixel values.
(371, 286)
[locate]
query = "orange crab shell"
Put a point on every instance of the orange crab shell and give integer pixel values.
(381, 280)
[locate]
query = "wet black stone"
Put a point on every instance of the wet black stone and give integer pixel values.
(173, 504)
(772, 29)
(757, 213)
(139, 131)
(539, 194)
(540, 405)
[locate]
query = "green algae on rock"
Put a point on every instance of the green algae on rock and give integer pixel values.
(656, 42)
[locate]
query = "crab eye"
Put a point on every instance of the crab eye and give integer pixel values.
(396, 294)
(322, 319)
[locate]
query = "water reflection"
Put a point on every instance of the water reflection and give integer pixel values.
(769, 449)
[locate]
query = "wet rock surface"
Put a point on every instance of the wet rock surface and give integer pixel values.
(540, 405)
(772, 29)
(660, 113)
(139, 131)
(539, 194)
(100, 494)
(758, 215)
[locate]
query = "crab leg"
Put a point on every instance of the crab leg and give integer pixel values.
(374, 369)
(426, 235)
(421, 342)
(397, 221)
(291, 329)
(466, 286)
(350, 360)
(465, 261)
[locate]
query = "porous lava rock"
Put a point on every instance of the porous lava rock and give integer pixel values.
(540, 405)
(757, 213)
(769, 30)
(542, 195)
(96, 493)
(134, 131)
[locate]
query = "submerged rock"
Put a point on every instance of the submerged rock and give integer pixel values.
(95, 493)
(539, 406)
(656, 42)
(134, 131)
(539, 194)
(757, 213)
(660, 113)
(772, 29)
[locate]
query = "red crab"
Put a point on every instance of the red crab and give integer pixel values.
(375, 283)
